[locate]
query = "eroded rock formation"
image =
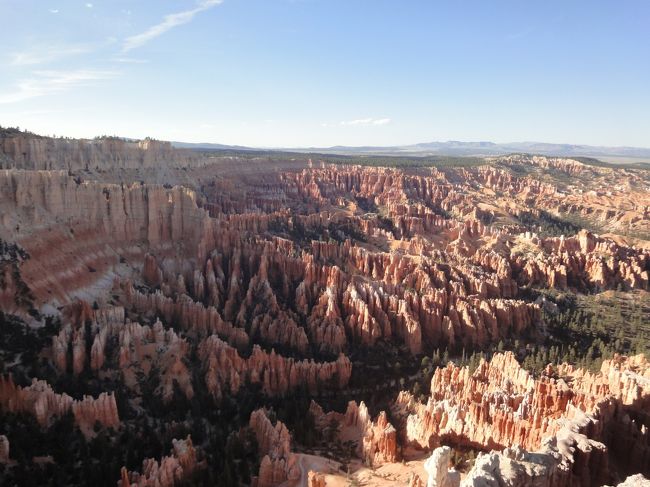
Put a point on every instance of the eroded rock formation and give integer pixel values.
(170, 471)
(569, 427)
(376, 440)
(278, 463)
(45, 405)
(24, 150)
(278, 275)
(227, 371)
(315, 479)
(437, 467)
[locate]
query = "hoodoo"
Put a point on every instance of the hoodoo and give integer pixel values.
(319, 324)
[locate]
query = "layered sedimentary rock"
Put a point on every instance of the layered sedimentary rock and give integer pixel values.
(411, 202)
(170, 471)
(15, 295)
(125, 213)
(456, 285)
(394, 184)
(192, 316)
(584, 261)
(421, 305)
(617, 204)
(78, 235)
(143, 348)
(24, 150)
(278, 463)
(275, 276)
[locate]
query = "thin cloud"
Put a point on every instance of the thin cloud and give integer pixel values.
(169, 22)
(89, 5)
(366, 122)
(54, 10)
(45, 54)
(129, 60)
(48, 82)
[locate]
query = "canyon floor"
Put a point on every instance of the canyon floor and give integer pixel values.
(175, 317)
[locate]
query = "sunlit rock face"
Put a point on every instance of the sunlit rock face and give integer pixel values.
(265, 283)
(29, 151)
(437, 466)
(568, 417)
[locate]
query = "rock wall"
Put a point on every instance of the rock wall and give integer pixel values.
(268, 277)
(23, 150)
(78, 235)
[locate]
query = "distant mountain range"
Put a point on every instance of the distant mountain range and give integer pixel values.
(456, 148)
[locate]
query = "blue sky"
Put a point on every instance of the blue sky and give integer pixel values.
(328, 72)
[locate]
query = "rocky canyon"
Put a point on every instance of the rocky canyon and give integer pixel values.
(178, 317)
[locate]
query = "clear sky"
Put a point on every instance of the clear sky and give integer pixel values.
(329, 72)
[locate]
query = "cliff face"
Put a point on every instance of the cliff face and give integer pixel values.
(79, 235)
(127, 213)
(23, 150)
